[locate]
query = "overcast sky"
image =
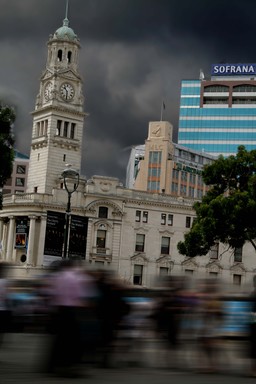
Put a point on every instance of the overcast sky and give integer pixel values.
(134, 53)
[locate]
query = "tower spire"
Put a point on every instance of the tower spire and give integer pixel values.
(66, 13)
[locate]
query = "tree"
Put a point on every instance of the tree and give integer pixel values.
(227, 212)
(7, 118)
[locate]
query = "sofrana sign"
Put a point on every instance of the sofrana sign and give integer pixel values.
(233, 69)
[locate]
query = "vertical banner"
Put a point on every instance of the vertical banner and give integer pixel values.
(78, 237)
(21, 232)
(54, 236)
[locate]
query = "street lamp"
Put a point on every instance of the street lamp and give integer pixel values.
(71, 182)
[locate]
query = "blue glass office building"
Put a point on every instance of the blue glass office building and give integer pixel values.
(219, 114)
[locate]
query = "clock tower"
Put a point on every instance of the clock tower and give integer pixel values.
(58, 117)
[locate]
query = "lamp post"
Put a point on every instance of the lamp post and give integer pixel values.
(71, 182)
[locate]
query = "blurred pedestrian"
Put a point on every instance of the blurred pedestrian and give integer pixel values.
(211, 317)
(5, 312)
(67, 298)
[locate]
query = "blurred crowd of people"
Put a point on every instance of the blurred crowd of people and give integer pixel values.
(90, 317)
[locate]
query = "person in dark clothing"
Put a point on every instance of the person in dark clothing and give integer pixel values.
(111, 309)
(5, 312)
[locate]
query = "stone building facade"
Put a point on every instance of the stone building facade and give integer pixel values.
(132, 233)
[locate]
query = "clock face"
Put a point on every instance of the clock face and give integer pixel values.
(48, 91)
(67, 91)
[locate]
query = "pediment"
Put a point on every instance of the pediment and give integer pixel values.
(189, 262)
(47, 74)
(68, 74)
(165, 261)
(103, 224)
(166, 232)
(213, 266)
(141, 229)
(239, 267)
(139, 258)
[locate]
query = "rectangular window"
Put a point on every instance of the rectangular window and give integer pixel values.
(20, 182)
(145, 217)
(101, 239)
(183, 176)
(213, 275)
(165, 245)
(189, 271)
(170, 219)
(155, 157)
(188, 221)
(103, 212)
(138, 216)
(183, 190)
(192, 178)
(65, 130)
(238, 254)
(191, 192)
(140, 243)
(214, 251)
(21, 169)
(163, 271)
(163, 218)
(137, 274)
(237, 279)
(72, 130)
(154, 172)
(153, 186)
(199, 180)
(58, 129)
(175, 188)
(175, 174)
(37, 129)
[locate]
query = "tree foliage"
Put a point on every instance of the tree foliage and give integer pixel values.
(228, 210)
(7, 118)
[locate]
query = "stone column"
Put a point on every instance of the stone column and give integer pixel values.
(10, 239)
(1, 237)
(4, 241)
(40, 254)
(1, 228)
(31, 239)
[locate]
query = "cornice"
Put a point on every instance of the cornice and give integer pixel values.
(160, 204)
(50, 108)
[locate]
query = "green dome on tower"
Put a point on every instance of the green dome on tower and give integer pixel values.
(65, 32)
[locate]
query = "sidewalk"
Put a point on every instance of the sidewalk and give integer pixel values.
(22, 354)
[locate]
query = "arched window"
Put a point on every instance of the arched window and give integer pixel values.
(60, 55)
(244, 88)
(69, 56)
(216, 88)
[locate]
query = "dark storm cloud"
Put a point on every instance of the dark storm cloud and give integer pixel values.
(134, 53)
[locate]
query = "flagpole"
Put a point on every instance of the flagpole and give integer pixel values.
(162, 110)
